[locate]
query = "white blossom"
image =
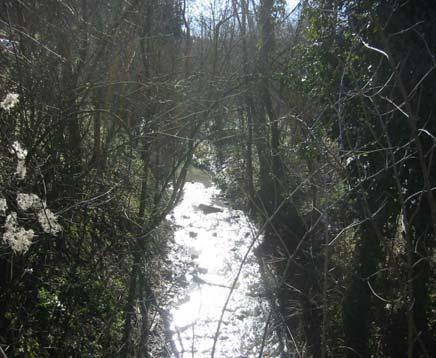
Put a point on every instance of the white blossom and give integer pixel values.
(48, 221)
(19, 151)
(46, 218)
(10, 101)
(29, 201)
(349, 161)
(21, 154)
(21, 169)
(3, 206)
(18, 238)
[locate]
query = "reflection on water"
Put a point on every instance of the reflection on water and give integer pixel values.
(215, 238)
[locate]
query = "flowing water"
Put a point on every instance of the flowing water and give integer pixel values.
(213, 239)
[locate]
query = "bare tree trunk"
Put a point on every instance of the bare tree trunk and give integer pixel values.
(248, 97)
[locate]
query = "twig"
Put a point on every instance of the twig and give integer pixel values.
(265, 332)
(3, 353)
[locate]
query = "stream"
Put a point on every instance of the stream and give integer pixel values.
(212, 239)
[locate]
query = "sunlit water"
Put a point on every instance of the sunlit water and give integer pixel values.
(216, 243)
